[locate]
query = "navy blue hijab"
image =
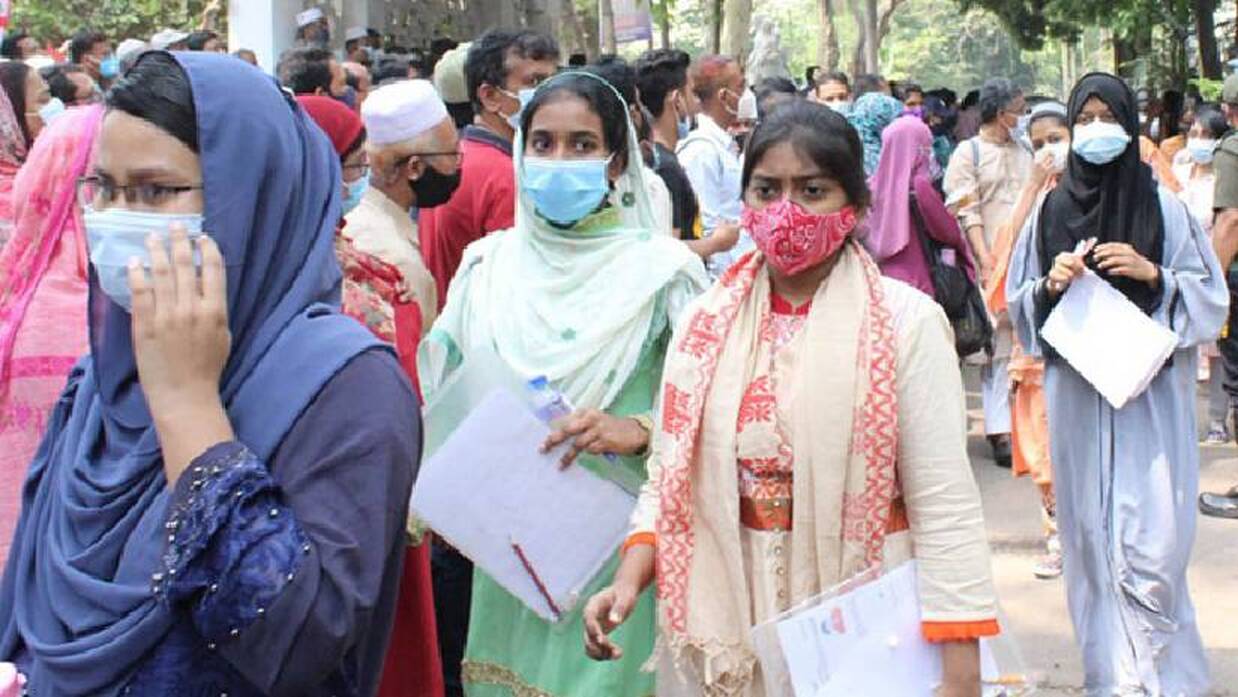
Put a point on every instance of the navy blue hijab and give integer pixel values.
(77, 590)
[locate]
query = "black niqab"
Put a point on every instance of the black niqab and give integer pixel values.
(1114, 202)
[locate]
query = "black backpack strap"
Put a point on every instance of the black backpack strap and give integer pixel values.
(927, 246)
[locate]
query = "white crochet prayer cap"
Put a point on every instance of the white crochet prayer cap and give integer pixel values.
(167, 37)
(402, 111)
(129, 46)
(308, 17)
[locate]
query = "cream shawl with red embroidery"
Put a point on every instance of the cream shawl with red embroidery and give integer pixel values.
(846, 431)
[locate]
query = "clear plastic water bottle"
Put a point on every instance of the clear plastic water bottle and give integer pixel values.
(548, 404)
(551, 406)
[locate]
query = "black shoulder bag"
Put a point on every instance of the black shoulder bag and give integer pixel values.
(957, 294)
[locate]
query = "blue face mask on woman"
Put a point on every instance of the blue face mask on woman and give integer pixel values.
(1100, 143)
(51, 111)
(352, 192)
(116, 235)
(1201, 150)
(565, 191)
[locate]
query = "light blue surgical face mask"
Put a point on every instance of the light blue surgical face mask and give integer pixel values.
(51, 111)
(684, 126)
(352, 193)
(1100, 143)
(109, 67)
(565, 191)
(1202, 150)
(842, 106)
(116, 235)
(1020, 129)
(525, 96)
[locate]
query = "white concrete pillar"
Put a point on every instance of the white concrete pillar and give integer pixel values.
(266, 27)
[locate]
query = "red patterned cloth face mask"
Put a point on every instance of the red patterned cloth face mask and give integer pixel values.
(792, 239)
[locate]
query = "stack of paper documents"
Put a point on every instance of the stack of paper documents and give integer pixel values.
(541, 532)
(1107, 339)
(864, 641)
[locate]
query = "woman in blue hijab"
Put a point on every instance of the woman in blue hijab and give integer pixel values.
(870, 115)
(219, 502)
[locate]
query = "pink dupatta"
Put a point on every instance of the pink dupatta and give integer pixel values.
(12, 154)
(43, 297)
(906, 146)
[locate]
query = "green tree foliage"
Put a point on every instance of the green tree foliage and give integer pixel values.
(932, 44)
(1041, 44)
(1152, 38)
(929, 42)
(1031, 22)
(56, 20)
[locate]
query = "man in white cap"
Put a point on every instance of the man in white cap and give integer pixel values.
(354, 46)
(453, 86)
(169, 40)
(313, 28)
(128, 52)
(414, 163)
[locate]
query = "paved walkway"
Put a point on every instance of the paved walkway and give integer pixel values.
(1036, 610)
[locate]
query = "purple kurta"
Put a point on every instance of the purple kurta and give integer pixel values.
(910, 265)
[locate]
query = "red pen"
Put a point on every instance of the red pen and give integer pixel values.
(537, 580)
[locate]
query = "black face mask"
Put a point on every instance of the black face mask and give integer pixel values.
(434, 188)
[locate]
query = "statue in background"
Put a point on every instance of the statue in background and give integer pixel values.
(767, 58)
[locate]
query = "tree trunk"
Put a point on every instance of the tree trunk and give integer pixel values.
(883, 28)
(1206, 33)
(589, 26)
(715, 26)
(1067, 80)
(887, 18)
(736, 16)
(871, 39)
(210, 15)
(857, 55)
(607, 13)
(579, 39)
(1123, 53)
(827, 46)
(665, 22)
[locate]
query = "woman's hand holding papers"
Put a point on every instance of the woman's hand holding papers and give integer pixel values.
(1066, 268)
(1121, 259)
(598, 433)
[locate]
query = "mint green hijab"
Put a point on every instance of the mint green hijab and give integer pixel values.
(578, 305)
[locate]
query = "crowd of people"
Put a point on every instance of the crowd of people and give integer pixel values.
(761, 300)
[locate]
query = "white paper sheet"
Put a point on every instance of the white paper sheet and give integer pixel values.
(487, 487)
(1107, 339)
(480, 374)
(866, 642)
